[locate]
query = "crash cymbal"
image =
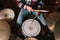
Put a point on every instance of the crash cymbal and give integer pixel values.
(30, 38)
(4, 30)
(7, 14)
(51, 20)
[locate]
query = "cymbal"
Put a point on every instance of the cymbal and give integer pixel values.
(4, 30)
(7, 14)
(51, 20)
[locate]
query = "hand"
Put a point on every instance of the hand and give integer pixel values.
(30, 9)
(20, 5)
(37, 13)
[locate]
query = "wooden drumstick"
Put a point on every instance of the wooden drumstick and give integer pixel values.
(34, 18)
(42, 10)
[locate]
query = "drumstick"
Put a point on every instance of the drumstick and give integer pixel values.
(42, 10)
(34, 18)
(39, 11)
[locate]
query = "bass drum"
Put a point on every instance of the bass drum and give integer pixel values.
(4, 30)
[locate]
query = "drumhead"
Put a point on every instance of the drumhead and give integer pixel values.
(30, 28)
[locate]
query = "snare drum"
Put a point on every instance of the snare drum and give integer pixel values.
(31, 28)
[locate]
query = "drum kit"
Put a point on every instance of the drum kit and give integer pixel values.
(29, 29)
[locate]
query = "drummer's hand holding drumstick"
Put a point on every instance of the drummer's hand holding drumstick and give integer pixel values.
(30, 9)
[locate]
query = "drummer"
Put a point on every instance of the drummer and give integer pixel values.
(28, 7)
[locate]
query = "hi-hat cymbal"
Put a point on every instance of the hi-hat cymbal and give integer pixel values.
(7, 14)
(4, 30)
(51, 20)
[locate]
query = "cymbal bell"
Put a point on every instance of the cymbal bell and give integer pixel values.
(4, 30)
